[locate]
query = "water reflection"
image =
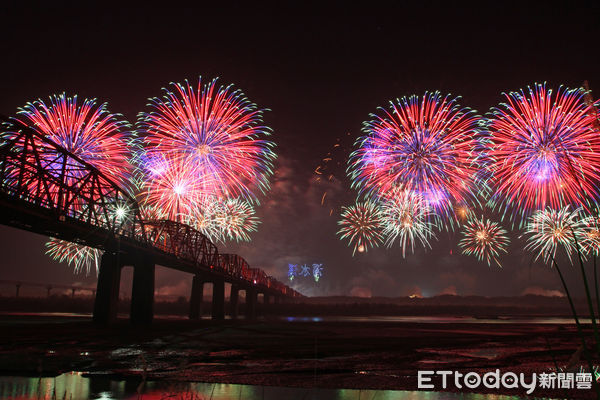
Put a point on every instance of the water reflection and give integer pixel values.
(30, 317)
(439, 319)
(74, 386)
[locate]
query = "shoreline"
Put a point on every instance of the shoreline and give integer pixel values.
(373, 356)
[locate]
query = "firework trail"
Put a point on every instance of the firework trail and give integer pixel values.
(331, 168)
(82, 258)
(361, 225)
(544, 151)
(426, 145)
(484, 239)
(216, 132)
(549, 228)
(407, 217)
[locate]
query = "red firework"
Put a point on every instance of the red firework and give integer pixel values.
(86, 130)
(544, 150)
(216, 132)
(173, 188)
(424, 145)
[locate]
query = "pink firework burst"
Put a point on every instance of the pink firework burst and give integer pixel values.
(544, 150)
(216, 132)
(86, 130)
(425, 145)
(172, 188)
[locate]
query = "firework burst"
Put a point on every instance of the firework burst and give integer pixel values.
(549, 228)
(224, 219)
(216, 132)
(425, 145)
(203, 217)
(172, 187)
(407, 217)
(544, 151)
(484, 239)
(463, 213)
(236, 219)
(361, 225)
(590, 237)
(82, 258)
(94, 135)
(86, 130)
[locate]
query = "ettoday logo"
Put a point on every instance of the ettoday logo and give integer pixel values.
(508, 380)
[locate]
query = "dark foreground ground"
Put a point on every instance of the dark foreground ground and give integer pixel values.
(373, 355)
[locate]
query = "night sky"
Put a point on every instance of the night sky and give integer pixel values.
(321, 72)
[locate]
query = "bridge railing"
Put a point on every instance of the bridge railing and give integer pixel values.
(234, 265)
(37, 171)
(183, 241)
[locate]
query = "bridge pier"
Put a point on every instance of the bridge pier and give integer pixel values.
(142, 292)
(107, 291)
(233, 300)
(266, 298)
(251, 300)
(196, 297)
(218, 299)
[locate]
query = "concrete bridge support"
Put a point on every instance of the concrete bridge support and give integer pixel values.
(251, 300)
(266, 298)
(218, 299)
(142, 293)
(196, 297)
(233, 300)
(107, 292)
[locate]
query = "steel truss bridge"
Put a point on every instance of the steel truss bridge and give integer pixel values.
(48, 190)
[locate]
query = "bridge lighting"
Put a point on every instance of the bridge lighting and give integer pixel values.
(254, 281)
